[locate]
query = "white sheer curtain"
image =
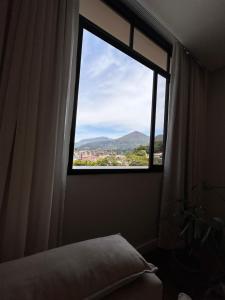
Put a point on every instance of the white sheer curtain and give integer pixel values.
(37, 69)
(185, 141)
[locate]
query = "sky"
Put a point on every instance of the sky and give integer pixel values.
(115, 93)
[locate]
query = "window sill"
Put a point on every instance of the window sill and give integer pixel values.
(153, 169)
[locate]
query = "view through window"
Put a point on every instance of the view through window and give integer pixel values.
(159, 121)
(114, 109)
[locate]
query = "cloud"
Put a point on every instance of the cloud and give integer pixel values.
(115, 92)
(101, 64)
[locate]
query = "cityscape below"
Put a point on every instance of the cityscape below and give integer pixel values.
(128, 151)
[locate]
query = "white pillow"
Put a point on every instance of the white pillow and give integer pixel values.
(84, 270)
(183, 296)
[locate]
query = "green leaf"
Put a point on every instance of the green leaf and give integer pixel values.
(206, 236)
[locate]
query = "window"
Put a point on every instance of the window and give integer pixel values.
(120, 110)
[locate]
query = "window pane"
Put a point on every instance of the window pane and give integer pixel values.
(114, 109)
(149, 49)
(106, 18)
(159, 122)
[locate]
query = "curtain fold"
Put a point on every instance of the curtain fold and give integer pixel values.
(36, 95)
(185, 141)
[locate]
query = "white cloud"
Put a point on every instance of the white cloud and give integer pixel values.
(101, 64)
(125, 102)
(116, 92)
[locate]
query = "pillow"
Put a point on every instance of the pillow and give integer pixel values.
(183, 296)
(86, 270)
(146, 287)
(120, 264)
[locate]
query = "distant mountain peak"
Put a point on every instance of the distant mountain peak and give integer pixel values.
(136, 132)
(95, 138)
(126, 142)
(91, 140)
(134, 135)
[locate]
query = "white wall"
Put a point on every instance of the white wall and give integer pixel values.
(215, 146)
(98, 205)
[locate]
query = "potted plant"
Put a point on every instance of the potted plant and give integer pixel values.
(203, 244)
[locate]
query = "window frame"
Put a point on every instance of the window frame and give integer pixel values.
(85, 24)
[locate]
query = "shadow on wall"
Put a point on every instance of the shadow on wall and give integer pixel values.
(214, 158)
(99, 205)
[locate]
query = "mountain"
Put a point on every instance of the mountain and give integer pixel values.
(136, 137)
(93, 140)
(159, 138)
(127, 142)
(132, 140)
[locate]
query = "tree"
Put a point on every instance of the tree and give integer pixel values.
(108, 161)
(83, 163)
(158, 147)
(138, 157)
(140, 152)
(142, 147)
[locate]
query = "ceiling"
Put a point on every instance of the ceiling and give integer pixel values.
(198, 24)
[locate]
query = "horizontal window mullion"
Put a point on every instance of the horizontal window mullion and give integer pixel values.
(107, 37)
(138, 22)
(156, 169)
